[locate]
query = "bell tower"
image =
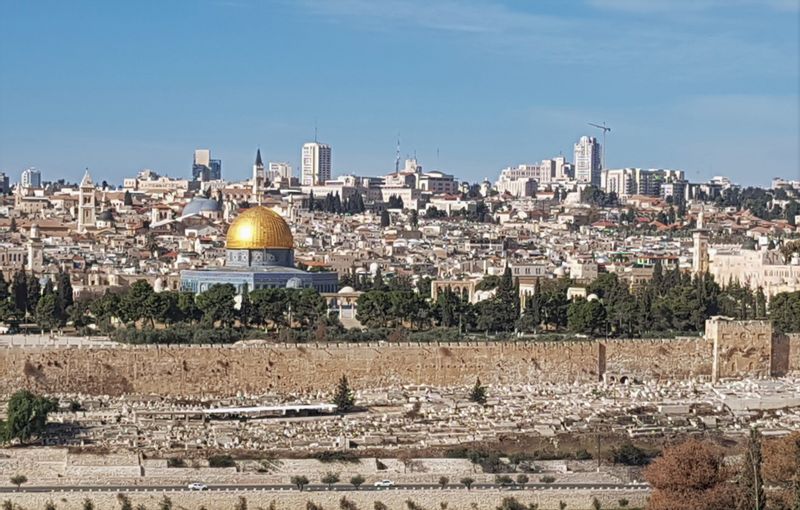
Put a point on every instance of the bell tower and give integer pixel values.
(86, 203)
(259, 179)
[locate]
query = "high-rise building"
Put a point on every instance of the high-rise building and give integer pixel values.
(31, 178)
(5, 188)
(316, 163)
(204, 168)
(587, 161)
(279, 171)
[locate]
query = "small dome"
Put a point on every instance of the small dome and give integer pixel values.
(346, 290)
(199, 205)
(259, 228)
(294, 283)
(106, 215)
(592, 297)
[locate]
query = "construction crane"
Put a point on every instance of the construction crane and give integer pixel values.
(605, 129)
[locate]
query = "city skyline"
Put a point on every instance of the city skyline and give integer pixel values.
(471, 87)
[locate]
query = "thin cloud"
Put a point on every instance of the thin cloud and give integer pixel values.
(666, 6)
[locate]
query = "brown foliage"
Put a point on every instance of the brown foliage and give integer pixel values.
(690, 475)
(780, 458)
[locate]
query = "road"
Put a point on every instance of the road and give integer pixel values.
(323, 488)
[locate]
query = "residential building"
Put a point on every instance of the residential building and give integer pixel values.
(204, 168)
(587, 161)
(315, 163)
(31, 178)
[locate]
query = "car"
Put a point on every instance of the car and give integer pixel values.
(197, 486)
(384, 483)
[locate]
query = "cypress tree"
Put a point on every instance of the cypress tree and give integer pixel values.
(19, 291)
(343, 396)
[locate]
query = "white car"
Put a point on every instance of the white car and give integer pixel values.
(384, 483)
(197, 486)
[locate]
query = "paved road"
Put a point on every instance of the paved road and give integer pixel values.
(339, 487)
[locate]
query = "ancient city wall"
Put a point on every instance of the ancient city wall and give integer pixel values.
(729, 349)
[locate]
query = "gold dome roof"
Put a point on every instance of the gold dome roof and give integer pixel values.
(259, 228)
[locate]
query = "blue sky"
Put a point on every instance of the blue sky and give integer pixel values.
(708, 86)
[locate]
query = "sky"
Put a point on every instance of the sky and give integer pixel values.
(707, 86)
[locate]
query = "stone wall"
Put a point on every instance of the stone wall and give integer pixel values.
(742, 348)
(456, 499)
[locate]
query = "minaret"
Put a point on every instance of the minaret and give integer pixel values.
(700, 246)
(86, 213)
(35, 255)
(258, 178)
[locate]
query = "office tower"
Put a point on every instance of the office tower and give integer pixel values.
(5, 188)
(204, 168)
(316, 163)
(587, 161)
(31, 178)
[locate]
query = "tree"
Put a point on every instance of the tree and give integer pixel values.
(241, 504)
(165, 504)
(478, 393)
(34, 291)
(64, 294)
(378, 505)
(413, 218)
(467, 482)
(127, 199)
(343, 396)
(781, 470)
(443, 481)
(750, 482)
(18, 480)
(629, 455)
(596, 504)
(88, 504)
(357, 481)
(330, 478)
(586, 317)
(47, 315)
(217, 305)
(27, 415)
(4, 294)
(522, 479)
(690, 475)
(784, 311)
(19, 291)
(124, 502)
(51, 506)
(299, 481)
(510, 503)
(385, 218)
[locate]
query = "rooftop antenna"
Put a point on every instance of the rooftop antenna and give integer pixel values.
(315, 130)
(605, 130)
(397, 155)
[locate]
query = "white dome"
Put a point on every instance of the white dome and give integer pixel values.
(346, 290)
(592, 297)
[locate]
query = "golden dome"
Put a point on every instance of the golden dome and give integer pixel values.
(259, 228)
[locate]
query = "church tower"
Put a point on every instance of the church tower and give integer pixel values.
(259, 178)
(86, 212)
(700, 246)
